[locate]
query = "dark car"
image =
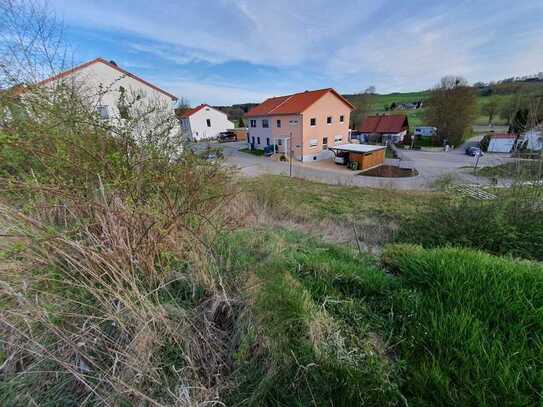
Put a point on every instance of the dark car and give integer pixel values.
(474, 151)
(227, 136)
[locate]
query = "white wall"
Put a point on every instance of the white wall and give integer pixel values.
(99, 78)
(198, 123)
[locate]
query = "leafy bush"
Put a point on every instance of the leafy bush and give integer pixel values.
(509, 225)
(473, 328)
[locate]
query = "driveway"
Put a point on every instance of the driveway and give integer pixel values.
(430, 165)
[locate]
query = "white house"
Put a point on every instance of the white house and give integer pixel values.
(104, 83)
(501, 143)
(205, 122)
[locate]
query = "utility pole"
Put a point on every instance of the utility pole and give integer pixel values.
(290, 145)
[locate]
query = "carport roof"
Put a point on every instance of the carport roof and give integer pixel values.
(357, 148)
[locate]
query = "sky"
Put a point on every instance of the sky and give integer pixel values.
(224, 52)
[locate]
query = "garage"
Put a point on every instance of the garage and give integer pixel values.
(365, 155)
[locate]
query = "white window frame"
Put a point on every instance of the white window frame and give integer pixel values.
(253, 123)
(341, 118)
(311, 120)
(338, 139)
(103, 112)
(313, 143)
(267, 123)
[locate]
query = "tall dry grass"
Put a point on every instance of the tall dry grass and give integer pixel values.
(112, 292)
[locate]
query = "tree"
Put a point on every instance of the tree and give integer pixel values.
(370, 90)
(490, 109)
(241, 123)
(364, 104)
(452, 108)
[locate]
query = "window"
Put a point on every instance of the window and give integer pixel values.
(313, 142)
(280, 142)
(293, 122)
(329, 120)
(341, 119)
(267, 141)
(265, 123)
(208, 121)
(253, 139)
(253, 123)
(103, 112)
(278, 123)
(325, 141)
(258, 140)
(338, 139)
(313, 122)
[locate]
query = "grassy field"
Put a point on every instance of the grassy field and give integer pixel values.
(326, 322)
(313, 200)
(528, 170)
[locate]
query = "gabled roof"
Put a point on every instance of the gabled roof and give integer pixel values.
(102, 61)
(190, 112)
(384, 124)
(292, 104)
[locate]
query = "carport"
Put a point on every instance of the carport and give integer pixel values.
(367, 156)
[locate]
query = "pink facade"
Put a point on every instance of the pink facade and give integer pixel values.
(323, 124)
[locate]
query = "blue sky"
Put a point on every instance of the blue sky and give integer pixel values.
(235, 51)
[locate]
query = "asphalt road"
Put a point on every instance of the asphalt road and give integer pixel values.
(431, 166)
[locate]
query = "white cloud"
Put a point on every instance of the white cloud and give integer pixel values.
(396, 46)
(414, 54)
(215, 94)
(278, 33)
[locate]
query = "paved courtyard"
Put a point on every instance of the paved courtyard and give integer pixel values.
(431, 166)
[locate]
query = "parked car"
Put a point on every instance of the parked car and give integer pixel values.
(227, 136)
(474, 151)
(342, 158)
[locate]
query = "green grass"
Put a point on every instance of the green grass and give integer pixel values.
(315, 201)
(530, 170)
(253, 152)
(473, 329)
(328, 326)
(510, 225)
(313, 336)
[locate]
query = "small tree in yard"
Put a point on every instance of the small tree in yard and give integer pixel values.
(452, 108)
(490, 109)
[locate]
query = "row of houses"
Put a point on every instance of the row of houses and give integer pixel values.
(308, 125)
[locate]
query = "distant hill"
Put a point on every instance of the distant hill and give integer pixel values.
(382, 103)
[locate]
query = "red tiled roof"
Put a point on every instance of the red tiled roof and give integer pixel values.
(384, 124)
(292, 104)
(190, 112)
(103, 61)
(503, 135)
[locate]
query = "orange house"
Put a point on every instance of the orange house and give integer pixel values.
(304, 124)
